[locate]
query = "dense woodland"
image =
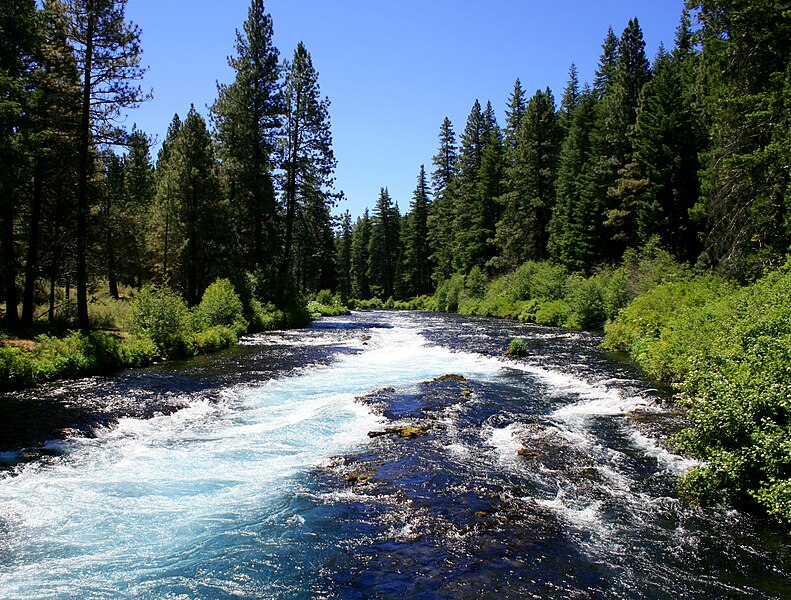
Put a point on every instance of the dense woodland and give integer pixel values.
(689, 149)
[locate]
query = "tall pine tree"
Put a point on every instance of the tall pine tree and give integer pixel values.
(308, 160)
(247, 118)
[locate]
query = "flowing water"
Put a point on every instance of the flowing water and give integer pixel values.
(251, 474)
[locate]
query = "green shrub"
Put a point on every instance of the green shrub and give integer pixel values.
(214, 338)
(739, 393)
(586, 303)
(136, 351)
(221, 305)
(325, 297)
(517, 347)
(162, 315)
(449, 292)
(554, 313)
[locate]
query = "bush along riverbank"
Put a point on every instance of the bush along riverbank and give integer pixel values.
(727, 350)
(159, 326)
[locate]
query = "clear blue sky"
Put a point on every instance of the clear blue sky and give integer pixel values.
(393, 69)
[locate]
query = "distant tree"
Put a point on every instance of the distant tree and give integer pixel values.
(571, 96)
(308, 160)
(481, 165)
(343, 256)
(361, 241)
(384, 246)
(666, 158)
(162, 231)
(442, 212)
(576, 226)
(108, 52)
(514, 116)
(198, 213)
(613, 147)
(247, 117)
(608, 64)
(417, 253)
(521, 233)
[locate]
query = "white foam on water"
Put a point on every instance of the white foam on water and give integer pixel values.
(116, 511)
(666, 460)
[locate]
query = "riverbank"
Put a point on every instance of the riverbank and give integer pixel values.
(158, 327)
(532, 478)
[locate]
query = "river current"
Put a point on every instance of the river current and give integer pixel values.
(379, 455)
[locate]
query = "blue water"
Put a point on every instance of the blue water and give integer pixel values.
(246, 492)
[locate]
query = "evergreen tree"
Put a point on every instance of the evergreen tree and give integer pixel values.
(417, 263)
(343, 256)
(162, 230)
(608, 64)
(17, 54)
(481, 166)
(384, 246)
(197, 223)
(108, 52)
(571, 96)
(745, 177)
(55, 115)
(576, 227)
(616, 118)
(522, 231)
(514, 115)
(308, 162)
(443, 210)
(361, 242)
(666, 156)
(247, 120)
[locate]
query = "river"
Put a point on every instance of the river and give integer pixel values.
(252, 474)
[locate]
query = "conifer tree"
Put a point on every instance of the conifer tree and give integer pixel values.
(17, 55)
(199, 223)
(163, 233)
(608, 64)
(666, 157)
(442, 212)
(522, 231)
(247, 117)
(384, 246)
(108, 54)
(481, 166)
(576, 226)
(308, 160)
(745, 176)
(617, 112)
(343, 257)
(417, 262)
(571, 96)
(514, 116)
(361, 241)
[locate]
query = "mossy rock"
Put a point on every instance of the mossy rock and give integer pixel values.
(402, 431)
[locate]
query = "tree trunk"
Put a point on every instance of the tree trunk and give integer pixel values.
(291, 194)
(31, 268)
(82, 185)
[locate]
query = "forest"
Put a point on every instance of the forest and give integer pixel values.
(582, 210)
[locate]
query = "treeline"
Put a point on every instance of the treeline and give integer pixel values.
(246, 195)
(689, 150)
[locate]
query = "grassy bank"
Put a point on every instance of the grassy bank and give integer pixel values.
(156, 325)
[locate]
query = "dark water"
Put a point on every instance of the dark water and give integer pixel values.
(251, 474)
